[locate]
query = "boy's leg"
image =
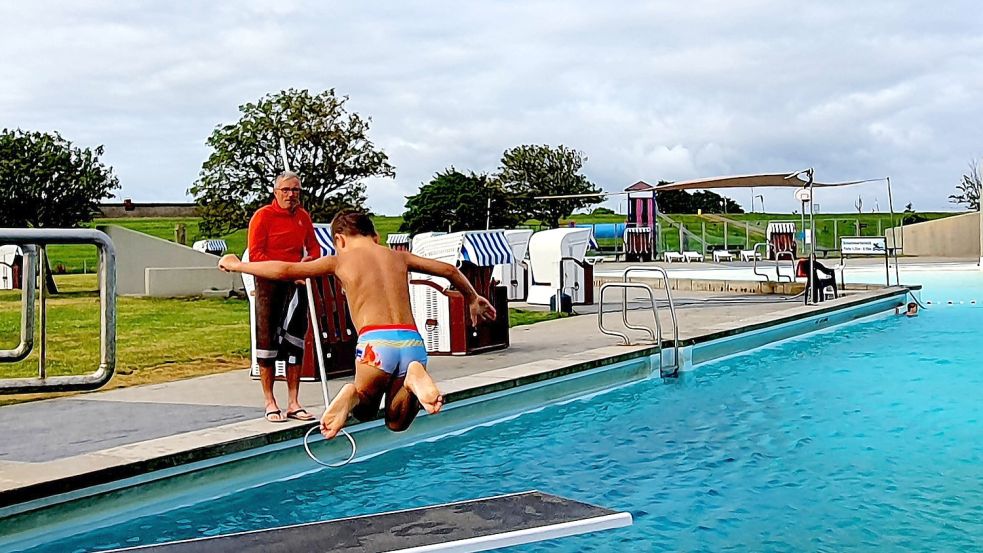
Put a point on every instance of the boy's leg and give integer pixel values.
(361, 397)
(406, 396)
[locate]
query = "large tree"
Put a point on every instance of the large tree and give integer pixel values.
(454, 201)
(969, 189)
(530, 171)
(326, 144)
(46, 181)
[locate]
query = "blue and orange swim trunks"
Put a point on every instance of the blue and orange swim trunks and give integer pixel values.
(390, 348)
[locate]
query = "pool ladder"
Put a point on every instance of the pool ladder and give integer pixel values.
(32, 243)
(670, 369)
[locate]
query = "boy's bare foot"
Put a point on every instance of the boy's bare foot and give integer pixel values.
(336, 415)
(423, 387)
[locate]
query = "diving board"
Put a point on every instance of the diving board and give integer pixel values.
(474, 525)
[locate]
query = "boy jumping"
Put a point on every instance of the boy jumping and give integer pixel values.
(390, 356)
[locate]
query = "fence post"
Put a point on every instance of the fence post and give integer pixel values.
(703, 235)
(836, 234)
(880, 231)
(681, 250)
(856, 224)
(747, 235)
(725, 235)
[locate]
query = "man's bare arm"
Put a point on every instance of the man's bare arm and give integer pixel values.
(280, 270)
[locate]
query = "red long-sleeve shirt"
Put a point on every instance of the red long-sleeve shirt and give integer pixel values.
(276, 234)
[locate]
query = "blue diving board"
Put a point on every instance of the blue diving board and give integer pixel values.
(474, 525)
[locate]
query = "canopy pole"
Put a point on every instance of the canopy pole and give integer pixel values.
(894, 234)
(812, 237)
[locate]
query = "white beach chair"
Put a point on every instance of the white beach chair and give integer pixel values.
(750, 255)
(722, 255)
(673, 257)
(692, 256)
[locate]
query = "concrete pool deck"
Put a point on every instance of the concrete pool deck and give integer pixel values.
(58, 446)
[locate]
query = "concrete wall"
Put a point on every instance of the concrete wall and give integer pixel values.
(168, 282)
(181, 271)
(956, 236)
(117, 211)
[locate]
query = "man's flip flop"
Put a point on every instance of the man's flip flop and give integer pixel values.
(296, 415)
(277, 413)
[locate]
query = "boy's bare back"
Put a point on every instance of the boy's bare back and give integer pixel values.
(376, 285)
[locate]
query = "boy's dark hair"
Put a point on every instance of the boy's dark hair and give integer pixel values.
(350, 222)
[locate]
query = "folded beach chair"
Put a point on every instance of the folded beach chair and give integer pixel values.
(692, 256)
(722, 255)
(672, 257)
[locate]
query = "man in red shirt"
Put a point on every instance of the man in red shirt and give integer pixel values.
(282, 231)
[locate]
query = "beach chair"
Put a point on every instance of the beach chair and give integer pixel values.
(690, 257)
(672, 257)
(750, 255)
(720, 256)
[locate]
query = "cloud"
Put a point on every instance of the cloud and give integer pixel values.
(648, 90)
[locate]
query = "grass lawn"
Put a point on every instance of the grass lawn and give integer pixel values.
(158, 340)
(519, 317)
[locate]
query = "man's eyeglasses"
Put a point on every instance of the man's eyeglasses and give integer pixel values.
(290, 190)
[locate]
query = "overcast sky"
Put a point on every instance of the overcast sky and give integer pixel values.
(647, 90)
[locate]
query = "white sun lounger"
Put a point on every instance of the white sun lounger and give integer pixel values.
(692, 256)
(750, 255)
(722, 255)
(672, 257)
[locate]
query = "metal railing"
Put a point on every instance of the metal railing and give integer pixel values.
(656, 335)
(28, 289)
(28, 239)
(778, 263)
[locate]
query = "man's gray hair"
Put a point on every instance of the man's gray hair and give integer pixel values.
(285, 176)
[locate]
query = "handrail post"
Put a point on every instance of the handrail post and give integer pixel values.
(29, 266)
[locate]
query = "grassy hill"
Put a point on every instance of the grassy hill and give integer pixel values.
(740, 227)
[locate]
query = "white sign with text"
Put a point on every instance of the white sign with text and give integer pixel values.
(866, 245)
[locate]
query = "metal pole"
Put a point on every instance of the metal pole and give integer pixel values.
(747, 234)
(703, 226)
(42, 299)
(890, 205)
(725, 235)
(836, 234)
(488, 218)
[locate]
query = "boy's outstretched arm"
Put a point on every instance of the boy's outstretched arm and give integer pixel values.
(279, 270)
(481, 309)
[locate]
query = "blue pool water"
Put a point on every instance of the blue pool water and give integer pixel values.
(858, 439)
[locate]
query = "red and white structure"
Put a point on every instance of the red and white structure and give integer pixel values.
(440, 311)
(326, 302)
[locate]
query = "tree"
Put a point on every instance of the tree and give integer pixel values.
(47, 182)
(681, 201)
(969, 189)
(328, 146)
(455, 201)
(529, 171)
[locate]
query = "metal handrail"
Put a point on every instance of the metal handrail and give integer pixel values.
(658, 323)
(107, 301)
(28, 289)
(778, 265)
(754, 260)
(600, 311)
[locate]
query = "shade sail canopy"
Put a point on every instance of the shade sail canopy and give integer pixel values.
(748, 181)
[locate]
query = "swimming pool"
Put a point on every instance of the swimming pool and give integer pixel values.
(858, 438)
